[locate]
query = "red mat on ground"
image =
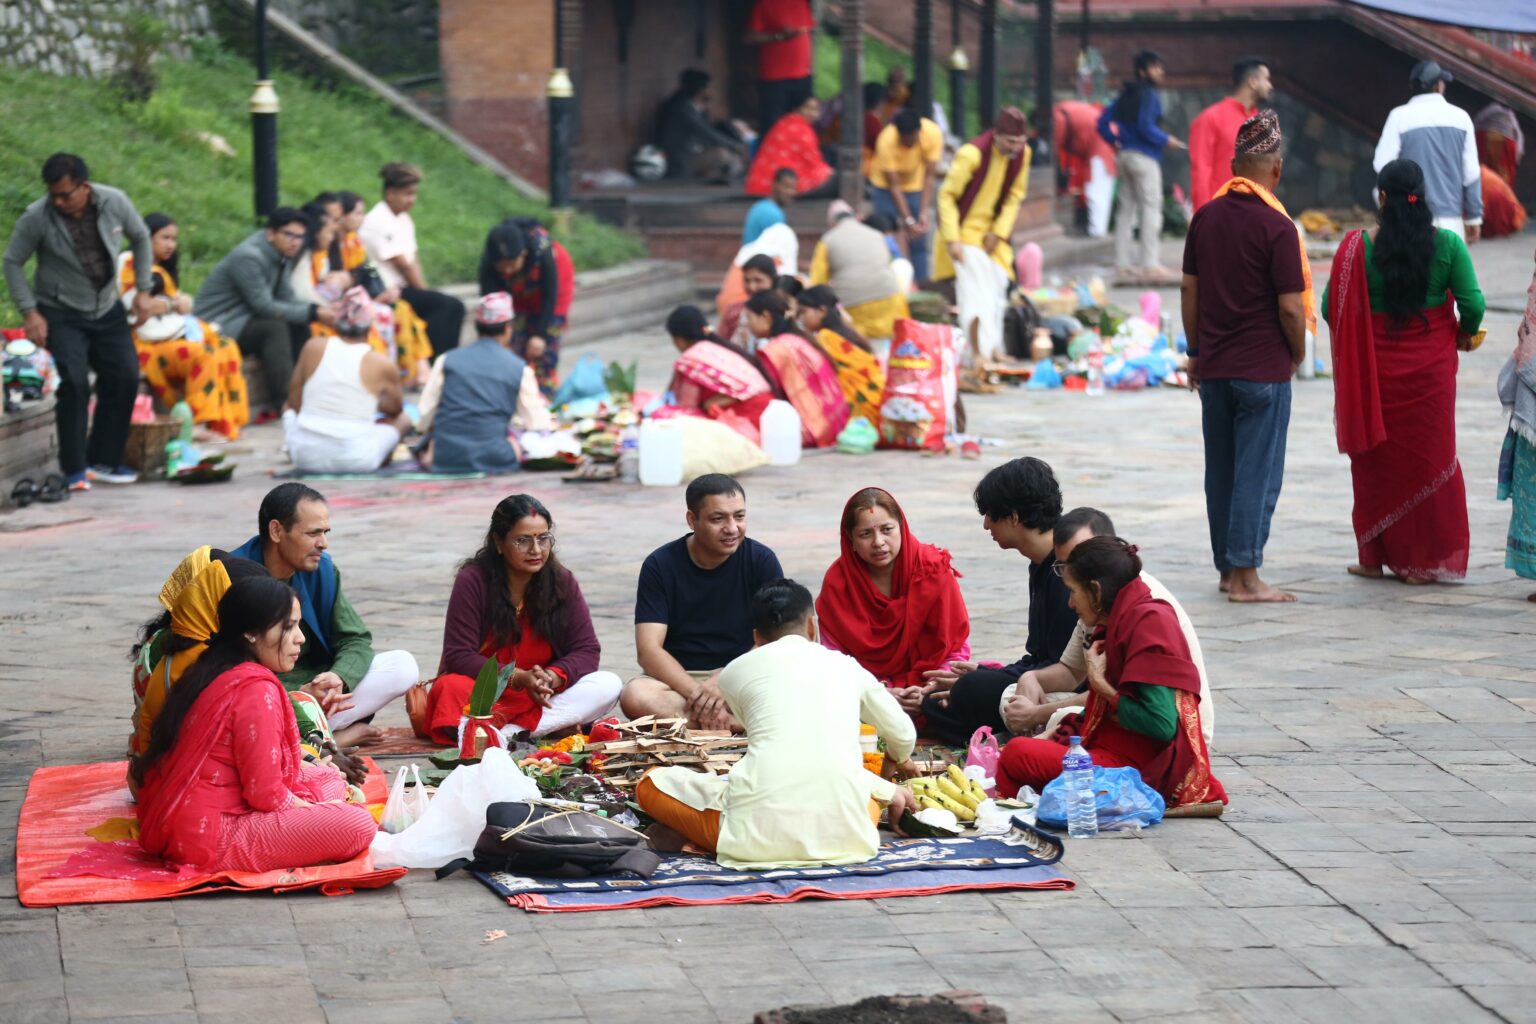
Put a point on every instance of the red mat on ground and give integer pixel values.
(401, 742)
(64, 802)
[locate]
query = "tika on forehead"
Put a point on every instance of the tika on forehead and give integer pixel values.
(1259, 135)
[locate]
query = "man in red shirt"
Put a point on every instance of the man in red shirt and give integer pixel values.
(1086, 161)
(781, 30)
(1213, 132)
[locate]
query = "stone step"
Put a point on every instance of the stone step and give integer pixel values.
(29, 444)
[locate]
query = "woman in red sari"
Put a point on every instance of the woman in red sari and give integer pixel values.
(791, 143)
(514, 600)
(715, 378)
(1143, 707)
(224, 785)
(798, 368)
(890, 601)
(1395, 336)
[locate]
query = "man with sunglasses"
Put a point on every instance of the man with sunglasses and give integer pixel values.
(249, 297)
(71, 307)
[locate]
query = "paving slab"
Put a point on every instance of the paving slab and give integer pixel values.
(1378, 861)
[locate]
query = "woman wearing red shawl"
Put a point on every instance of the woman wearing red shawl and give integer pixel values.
(1395, 336)
(791, 143)
(514, 600)
(1143, 707)
(224, 785)
(890, 601)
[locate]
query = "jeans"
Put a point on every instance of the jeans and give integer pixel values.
(443, 314)
(1140, 203)
(917, 246)
(80, 345)
(1244, 423)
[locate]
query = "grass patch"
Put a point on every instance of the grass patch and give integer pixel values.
(329, 137)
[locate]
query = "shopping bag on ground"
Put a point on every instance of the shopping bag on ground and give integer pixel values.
(912, 408)
(983, 753)
(587, 379)
(1124, 801)
(400, 811)
(447, 830)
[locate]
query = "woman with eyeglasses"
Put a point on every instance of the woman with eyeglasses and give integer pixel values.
(514, 600)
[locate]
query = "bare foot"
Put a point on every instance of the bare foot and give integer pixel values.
(1531, 598)
(1370, 572)
(1225, 586)
(1256, 591)
(359, 735)
(1415, 581)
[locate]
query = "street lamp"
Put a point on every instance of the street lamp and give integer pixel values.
(959, 64)
(264, 109)
(560, 96)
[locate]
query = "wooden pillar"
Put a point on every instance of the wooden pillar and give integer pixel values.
(1045, 41)
(850, 183)
(986, 84)
(922, 58)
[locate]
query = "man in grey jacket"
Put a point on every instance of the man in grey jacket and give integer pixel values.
(249, 295)
(72, 308)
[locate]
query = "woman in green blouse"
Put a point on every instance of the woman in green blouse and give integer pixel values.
(1396, 332)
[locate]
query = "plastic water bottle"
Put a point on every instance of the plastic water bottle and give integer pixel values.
(661, 453)
(1096, 368)
(1082, 806)
(629, 455)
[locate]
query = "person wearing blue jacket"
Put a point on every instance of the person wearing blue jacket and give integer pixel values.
(1133, 125)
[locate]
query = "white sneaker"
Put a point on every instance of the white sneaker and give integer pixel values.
(108, 475)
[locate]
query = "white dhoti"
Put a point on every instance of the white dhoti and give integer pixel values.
(389, 675)
(981, 293)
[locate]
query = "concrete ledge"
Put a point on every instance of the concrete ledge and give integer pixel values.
(29, 444)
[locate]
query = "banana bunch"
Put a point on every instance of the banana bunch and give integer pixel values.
(951, 791)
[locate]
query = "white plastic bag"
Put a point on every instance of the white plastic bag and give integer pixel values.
(399, 812)
(448, 828)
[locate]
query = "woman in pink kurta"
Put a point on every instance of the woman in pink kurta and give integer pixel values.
(224, 782)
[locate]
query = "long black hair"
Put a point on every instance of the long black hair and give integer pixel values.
(252, 605)
(1404, 249)
(1107, 563)
(688, 323)
(824, 298)
(776, 306)
(172, 267)
(544, 600)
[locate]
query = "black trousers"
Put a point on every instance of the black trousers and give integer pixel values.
(276, 343)
(973, 703)
(444, 315)
(80, 345)
(774, 99)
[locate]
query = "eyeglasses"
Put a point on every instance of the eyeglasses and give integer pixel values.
(1057, 567)
(296, 236)
(60, 197)
(526, 544)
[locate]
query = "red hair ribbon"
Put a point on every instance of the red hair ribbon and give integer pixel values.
(1412, 198)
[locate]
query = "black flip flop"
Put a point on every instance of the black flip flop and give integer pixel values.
(53, 490)
(25, 492)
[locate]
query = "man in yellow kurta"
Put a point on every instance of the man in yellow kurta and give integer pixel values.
(801, 796)
(980, 198)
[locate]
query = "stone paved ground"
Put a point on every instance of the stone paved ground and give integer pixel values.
(1379, 744)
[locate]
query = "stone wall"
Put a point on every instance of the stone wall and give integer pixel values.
(391, 38)
(1326, 163)
(85, 37)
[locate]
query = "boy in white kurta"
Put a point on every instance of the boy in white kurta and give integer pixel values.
(800, 797)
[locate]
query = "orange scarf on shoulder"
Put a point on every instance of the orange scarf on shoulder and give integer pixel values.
(1253, 188)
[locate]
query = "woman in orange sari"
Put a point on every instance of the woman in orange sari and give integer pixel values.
(180, 356)
(791, 144)
(1143, 707)
(797, 367)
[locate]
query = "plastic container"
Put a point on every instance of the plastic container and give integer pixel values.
(629, 455)
(869, 739)
(780, 428)
(1082, 805)
(1095, 368)
(661, 453)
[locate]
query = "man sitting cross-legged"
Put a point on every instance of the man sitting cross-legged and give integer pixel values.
(294, 525)
(1025, 707)
(1019, 503)
(801, 796)
(693, 608)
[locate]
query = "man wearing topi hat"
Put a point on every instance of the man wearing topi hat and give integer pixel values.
(1439, 138)
(1247, 303)
(473, 395)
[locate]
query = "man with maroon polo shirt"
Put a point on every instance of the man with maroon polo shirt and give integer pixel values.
(781, 30)
(1245, 317)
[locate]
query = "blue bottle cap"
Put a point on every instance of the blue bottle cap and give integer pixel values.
(1075, 739)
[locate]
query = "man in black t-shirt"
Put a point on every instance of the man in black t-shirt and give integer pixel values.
(693, 608)
(1019, 503)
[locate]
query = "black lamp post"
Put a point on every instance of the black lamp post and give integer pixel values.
(958, 66)
(560, 108)
(263, 124)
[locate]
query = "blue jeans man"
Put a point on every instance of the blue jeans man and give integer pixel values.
(917, 245)
(1244, 423)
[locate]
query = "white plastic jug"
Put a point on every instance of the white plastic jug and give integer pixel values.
(661, 453)
(780, 427)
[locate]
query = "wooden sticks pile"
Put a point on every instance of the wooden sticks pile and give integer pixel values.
(652, 742)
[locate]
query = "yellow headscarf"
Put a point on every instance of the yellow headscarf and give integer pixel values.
(194, 608)
(185, 572)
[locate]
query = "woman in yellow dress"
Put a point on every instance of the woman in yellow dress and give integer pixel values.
(858, 371)
(180, 356)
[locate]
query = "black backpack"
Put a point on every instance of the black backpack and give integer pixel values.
(538, 839)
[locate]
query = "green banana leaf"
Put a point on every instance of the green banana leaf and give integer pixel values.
(490, 683)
